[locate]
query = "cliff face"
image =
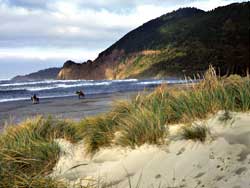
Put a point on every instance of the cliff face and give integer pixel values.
(101, 68)
(72, 70)
(185, 41)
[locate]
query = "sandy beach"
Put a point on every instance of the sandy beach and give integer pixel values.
(221, 161)
(63, 107)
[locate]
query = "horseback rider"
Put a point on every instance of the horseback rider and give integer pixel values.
(80, 94)
(35, 99)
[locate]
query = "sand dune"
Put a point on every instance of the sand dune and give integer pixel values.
(222, 161)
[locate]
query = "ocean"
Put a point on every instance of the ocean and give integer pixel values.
(16, 91)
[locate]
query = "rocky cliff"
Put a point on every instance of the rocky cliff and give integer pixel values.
(185, 41)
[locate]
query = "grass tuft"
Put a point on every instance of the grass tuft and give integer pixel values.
(97, 132)
(28, 152)
(195, 132)
(226, 116)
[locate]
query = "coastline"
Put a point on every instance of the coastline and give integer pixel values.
(67, 107)
(13, 112)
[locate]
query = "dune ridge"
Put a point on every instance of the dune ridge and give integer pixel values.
(223, 160)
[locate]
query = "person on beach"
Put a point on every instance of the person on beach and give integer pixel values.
(80, 94)
(35, 99)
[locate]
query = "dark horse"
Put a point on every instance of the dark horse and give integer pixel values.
(35, 99)
(80, 94)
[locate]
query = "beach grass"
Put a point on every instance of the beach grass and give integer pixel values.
(145, 118)
(97, 131)
(29, 152)
(195, 132)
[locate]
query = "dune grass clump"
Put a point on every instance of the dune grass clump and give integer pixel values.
(226, 116)
(97, 131)
(28, 152)
(144, 122)
(195, 132)
(27, 181)
(141, 127)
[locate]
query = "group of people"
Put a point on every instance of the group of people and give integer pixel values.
(35, 99)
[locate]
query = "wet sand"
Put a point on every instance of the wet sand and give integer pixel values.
(14, 112)
(66, 107)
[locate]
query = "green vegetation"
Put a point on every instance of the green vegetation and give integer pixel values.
(97, 131)
(154, 64)
(144, 119)
(181, 43)
(188, 41)
(226, 116)
(195, 132)
(29, 152)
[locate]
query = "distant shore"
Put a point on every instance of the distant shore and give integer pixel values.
(13, 112)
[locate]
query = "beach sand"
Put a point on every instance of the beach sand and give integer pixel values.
(13, 112)
(222, 161)
(67, 107)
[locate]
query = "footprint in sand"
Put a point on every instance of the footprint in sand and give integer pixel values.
(240, 170)
(200, 175)
(158, 176)
(181, 151)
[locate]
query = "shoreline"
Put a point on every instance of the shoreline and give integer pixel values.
(67, 107)
(13, 112)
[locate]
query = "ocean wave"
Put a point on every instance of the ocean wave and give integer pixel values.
(155, 82)
(39, 88)
(125, 80)
(55, 86)
(14, 99)
(60, 83)
(86, 82)
(1, 80)
(152, 82)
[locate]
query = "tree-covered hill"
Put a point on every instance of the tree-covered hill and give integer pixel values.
(183, 42)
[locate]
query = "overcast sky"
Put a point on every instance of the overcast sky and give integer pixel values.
(36, 34)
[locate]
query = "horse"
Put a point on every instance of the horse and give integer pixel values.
(80, 94)
(35, 99)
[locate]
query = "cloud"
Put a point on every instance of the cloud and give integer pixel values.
(27, 3)
(66, 25)
(80, 23)
(36, 53)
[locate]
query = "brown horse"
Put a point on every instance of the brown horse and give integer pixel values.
(80, 94)
(35, 99)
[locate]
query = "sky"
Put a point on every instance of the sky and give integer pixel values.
(37, 34)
